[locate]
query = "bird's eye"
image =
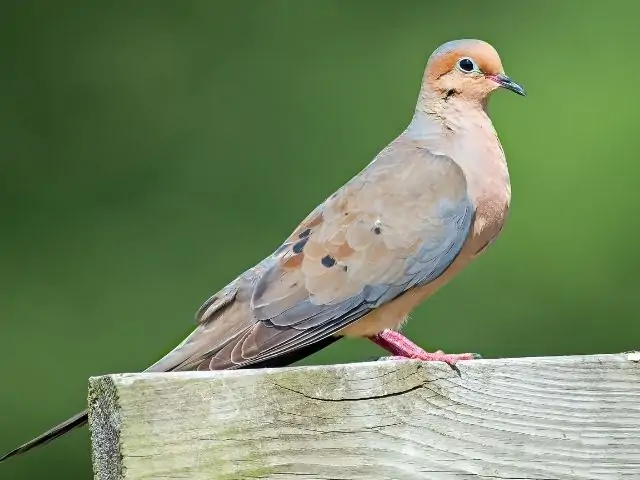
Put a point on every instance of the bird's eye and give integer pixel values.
(467, 65)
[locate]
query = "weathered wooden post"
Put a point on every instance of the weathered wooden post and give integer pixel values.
(574, 417)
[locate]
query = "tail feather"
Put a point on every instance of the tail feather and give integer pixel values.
(171, 362)
(76, 421)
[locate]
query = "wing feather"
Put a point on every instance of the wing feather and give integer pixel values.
(383, 233)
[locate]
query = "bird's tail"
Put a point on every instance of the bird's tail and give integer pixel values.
(166, 364)
(77, 420)
(199, 346)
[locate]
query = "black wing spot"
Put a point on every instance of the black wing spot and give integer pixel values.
(328, 261)
(299, 246)
(305, 233)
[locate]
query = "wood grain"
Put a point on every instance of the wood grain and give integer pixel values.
(528, 418)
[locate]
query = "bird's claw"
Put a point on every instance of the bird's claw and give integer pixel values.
(403, 348)
(439, 356)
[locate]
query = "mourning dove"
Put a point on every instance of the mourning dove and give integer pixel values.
(430, 202)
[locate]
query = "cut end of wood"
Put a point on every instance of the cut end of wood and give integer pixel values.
(105, 426)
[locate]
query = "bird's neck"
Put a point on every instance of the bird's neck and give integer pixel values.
(453, 112)
(464, 132)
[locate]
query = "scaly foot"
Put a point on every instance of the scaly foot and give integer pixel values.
(402, 348)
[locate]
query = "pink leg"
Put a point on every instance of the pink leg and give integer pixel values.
(401, 348)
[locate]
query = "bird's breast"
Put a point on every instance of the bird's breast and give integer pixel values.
(475, 147)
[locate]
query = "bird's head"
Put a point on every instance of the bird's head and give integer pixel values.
(467, 69)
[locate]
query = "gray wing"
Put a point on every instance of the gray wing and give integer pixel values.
(393, 228)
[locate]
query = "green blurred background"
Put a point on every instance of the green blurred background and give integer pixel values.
(152, 151)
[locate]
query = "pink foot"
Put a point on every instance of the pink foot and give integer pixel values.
(402, 348)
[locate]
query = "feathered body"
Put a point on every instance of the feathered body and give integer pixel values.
(430, 202)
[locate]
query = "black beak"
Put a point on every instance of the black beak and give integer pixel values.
(506, 82)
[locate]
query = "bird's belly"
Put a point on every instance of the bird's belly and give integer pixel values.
(394, 313)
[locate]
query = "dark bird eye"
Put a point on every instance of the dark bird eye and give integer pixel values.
(466, 65)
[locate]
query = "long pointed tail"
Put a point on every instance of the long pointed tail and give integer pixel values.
(77, 420)
(168, 363)
(165, 364)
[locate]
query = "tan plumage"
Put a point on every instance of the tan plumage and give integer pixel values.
(359, 263)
